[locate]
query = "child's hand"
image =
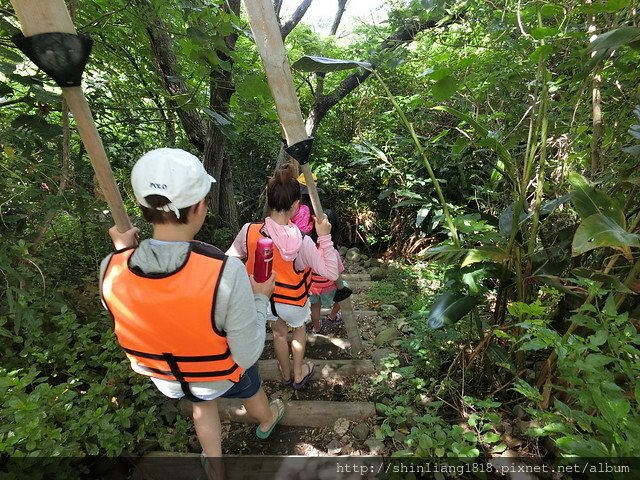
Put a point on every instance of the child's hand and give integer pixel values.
(126, 239)
(323, 227)
(265, 288)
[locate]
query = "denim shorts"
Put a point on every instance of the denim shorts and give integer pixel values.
(247, 386)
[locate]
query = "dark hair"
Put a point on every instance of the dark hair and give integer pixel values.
(160, 216)
(283, 189)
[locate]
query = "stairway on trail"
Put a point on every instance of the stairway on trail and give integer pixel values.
(337, 368)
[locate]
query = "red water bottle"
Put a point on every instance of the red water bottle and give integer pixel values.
(263, 262)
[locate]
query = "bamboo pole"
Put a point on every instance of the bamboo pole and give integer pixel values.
(51, 16)
(266, 33)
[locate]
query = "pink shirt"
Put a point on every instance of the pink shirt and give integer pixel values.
(321, 258)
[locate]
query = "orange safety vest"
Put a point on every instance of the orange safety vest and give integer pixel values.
(292, 287)
(165, 323)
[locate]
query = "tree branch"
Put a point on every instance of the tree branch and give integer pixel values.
(323, 103)
(277, 6)
(295, 18)
(342, 6)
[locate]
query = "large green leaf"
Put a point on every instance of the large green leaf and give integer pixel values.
(615, 39)
(548, 207)
(444, 88)
(449, 308)
(588, 201)
(481, 254)
(505, 222)
(599, 230)
(310, 63)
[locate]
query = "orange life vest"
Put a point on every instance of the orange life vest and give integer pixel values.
(292, 287)
(165, 335)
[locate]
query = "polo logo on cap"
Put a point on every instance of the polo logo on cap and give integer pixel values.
(161, 186)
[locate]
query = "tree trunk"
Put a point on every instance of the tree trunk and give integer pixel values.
(202, 134)
(596, 107)
(223, 204)
(342, 6)
(165, 60)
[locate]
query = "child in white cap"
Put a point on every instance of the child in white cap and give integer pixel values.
(185, 314)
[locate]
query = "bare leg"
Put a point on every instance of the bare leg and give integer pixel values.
(298, 345)
(334, 311)
(315, 315)
(207, 423)
(258, 407)
(281, 346)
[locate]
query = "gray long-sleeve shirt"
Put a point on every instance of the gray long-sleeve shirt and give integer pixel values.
(238, 312)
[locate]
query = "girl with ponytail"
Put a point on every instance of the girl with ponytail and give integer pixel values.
(295, 256)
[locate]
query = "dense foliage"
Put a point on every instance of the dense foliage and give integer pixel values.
(499, 144)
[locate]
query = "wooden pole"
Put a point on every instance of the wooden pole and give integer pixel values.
(52, 16)
(266, 33)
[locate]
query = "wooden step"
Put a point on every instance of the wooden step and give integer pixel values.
(358, 313)
(313, 338)
(303, 413)
(324, 369)
(187, 466)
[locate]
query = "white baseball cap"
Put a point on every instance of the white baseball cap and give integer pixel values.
(172, 173)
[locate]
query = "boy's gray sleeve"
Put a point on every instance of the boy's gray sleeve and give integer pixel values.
(241, 314)
(103, 269)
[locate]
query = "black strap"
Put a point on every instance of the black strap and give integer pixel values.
(175, 370)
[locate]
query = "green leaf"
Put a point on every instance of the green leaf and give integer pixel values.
(444, 88)
(597, 360)
(549, 207)
(506, 220)
(587, 200)
(449, 308)
(253, 86)
(481, 254)
(542, 52)
(310, 63)
(600, 338)
(540, 33)
(550, 10)
(535, 344)
(491, 437)
(421, 215)
(615, 39)
(501, 447)
(599, 231)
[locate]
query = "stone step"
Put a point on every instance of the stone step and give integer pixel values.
(325, 369)
(187, 466)
(355, 277)
(360, 286)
